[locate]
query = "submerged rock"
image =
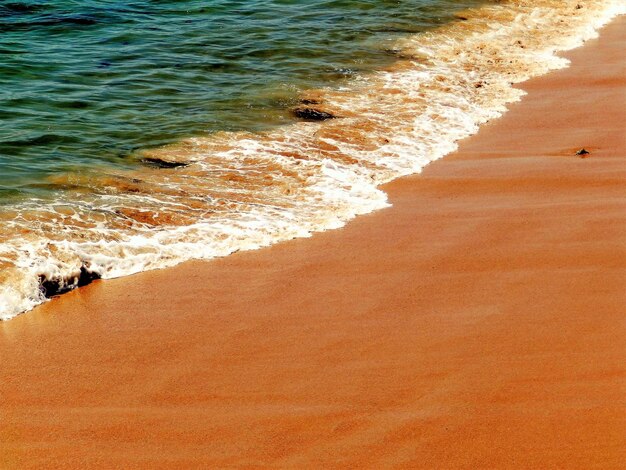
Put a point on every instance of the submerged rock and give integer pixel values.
(160, 163)
(312, 114)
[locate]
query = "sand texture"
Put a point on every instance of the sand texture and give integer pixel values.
(477, 324)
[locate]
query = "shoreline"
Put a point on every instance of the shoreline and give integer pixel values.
(232, 191)
(503, 266)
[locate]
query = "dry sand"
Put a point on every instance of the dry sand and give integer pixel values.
(479, 323)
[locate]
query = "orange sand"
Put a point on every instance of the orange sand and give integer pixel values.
(479, 323)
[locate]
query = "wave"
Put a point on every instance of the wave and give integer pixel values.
(207, 197)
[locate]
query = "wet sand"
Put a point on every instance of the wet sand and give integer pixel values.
(476, 324)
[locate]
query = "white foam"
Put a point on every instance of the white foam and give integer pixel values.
(396, 122)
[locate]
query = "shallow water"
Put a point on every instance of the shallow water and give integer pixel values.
(90, 81)
(137, 138)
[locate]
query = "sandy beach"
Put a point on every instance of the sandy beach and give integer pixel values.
(476, 324)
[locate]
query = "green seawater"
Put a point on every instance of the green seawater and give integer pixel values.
(88, 82)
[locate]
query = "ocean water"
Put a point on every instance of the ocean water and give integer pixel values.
(135, 135)
(86, 82)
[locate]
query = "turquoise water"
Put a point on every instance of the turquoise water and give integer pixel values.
(88, 82)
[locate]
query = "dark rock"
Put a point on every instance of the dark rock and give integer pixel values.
(49, 287)
(87, 277)
(311, 114)
(54, 287)
(159, 163)
(582, 152)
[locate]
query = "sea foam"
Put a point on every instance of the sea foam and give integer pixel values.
(242, 191)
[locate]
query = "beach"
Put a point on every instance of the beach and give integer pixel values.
(477, 323)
